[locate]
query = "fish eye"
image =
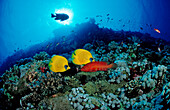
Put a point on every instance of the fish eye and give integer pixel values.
(91, 59)
(66, 66)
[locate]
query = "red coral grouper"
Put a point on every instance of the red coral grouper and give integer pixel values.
(97, 66)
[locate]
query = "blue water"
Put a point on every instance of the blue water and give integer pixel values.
(24, 23)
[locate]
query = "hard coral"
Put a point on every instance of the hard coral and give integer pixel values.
(112, 45)
(79, 100)
(166, 95)
(41, 56)
(56, 103)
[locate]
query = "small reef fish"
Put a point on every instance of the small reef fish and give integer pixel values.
(158, 31)
(108, 18)
(97, 66)
(159, 49)
(138, 45)
(57, 44)
(60, 16)
(48, 45)
(81, 57)
(58, 64)
(141, 28)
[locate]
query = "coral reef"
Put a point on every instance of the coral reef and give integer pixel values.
(140, 81)
(41, 56)
(57, 102)
(85, 77)
(29, 83)
(165, 95)
(79, 100)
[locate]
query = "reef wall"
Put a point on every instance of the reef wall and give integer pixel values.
(81, 34)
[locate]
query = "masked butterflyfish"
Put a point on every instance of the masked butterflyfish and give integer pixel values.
(81, 56)
(58, 64)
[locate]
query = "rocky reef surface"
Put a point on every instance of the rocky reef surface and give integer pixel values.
(140, 81)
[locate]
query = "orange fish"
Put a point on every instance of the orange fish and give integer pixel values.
(158, 31)
(97, 66)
